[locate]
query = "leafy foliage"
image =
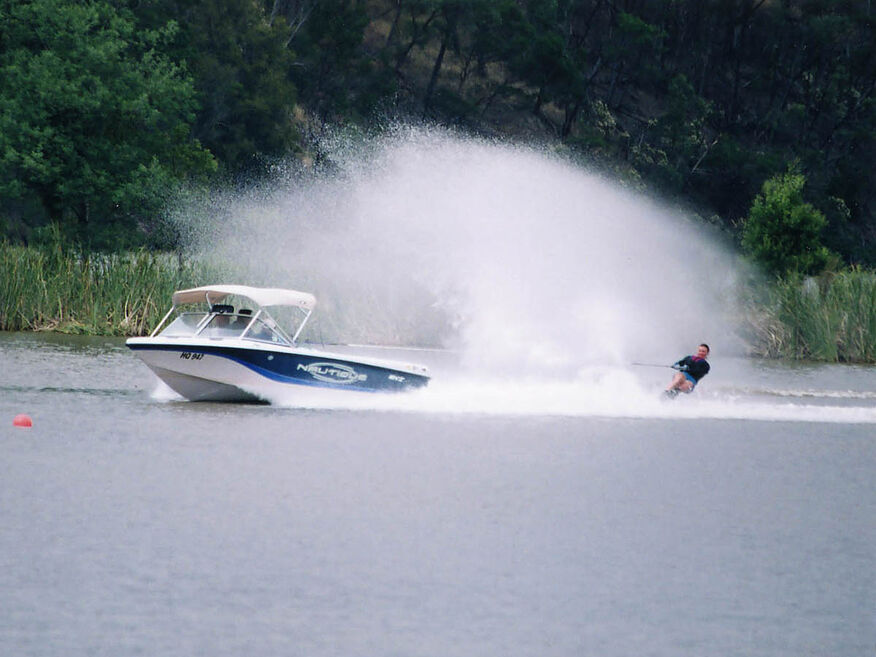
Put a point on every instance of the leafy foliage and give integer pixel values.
(243, 75)
(782, 231)
(94, 119)
(105, 105)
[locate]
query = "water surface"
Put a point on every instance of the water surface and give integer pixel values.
(501, 521)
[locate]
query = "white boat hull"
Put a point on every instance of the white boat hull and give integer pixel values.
(246, 371)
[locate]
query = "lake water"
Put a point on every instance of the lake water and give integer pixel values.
(475, 518)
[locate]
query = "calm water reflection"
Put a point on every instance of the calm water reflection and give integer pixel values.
(136, 526)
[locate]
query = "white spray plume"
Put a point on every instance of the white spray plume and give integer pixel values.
(520, 259)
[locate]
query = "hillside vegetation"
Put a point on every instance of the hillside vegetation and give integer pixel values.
(108, 106)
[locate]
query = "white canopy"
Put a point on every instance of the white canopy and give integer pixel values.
(263, 296)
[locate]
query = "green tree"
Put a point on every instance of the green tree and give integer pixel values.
(682, 134)
(94, 120)
(782, 231)
(338, 79)
(549, 67)
(236, 51)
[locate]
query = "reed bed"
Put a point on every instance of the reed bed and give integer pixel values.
(53, 289)
(829, 318)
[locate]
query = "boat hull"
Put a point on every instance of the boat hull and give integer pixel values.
(246, 371)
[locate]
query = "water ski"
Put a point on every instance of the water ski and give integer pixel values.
(669, 394)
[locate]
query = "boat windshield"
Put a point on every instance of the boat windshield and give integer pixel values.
(263, 331)
(185, 325)
(224, 325)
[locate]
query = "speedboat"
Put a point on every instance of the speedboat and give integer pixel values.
(206, 349)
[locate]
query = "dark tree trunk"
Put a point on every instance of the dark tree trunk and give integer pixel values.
(451, 15)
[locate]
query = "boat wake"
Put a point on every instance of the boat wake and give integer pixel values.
(606, 393)
(817, 394)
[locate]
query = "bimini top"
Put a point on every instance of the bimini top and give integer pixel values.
(263, 296)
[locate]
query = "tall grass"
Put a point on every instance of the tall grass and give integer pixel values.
(52, 288)
(829, 318)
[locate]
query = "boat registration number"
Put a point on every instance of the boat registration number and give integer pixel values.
(188, 355)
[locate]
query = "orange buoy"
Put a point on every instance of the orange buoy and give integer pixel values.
(22, 420)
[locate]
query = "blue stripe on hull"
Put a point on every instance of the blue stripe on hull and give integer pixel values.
(300, 369)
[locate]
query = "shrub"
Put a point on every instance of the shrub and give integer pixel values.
(783, 232)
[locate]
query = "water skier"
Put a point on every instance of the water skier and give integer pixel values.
(690, 370)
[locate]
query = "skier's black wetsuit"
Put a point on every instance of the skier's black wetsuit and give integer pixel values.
(694, 368)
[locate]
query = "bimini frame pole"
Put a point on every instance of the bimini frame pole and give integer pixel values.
(301, 327)
(161, 323)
